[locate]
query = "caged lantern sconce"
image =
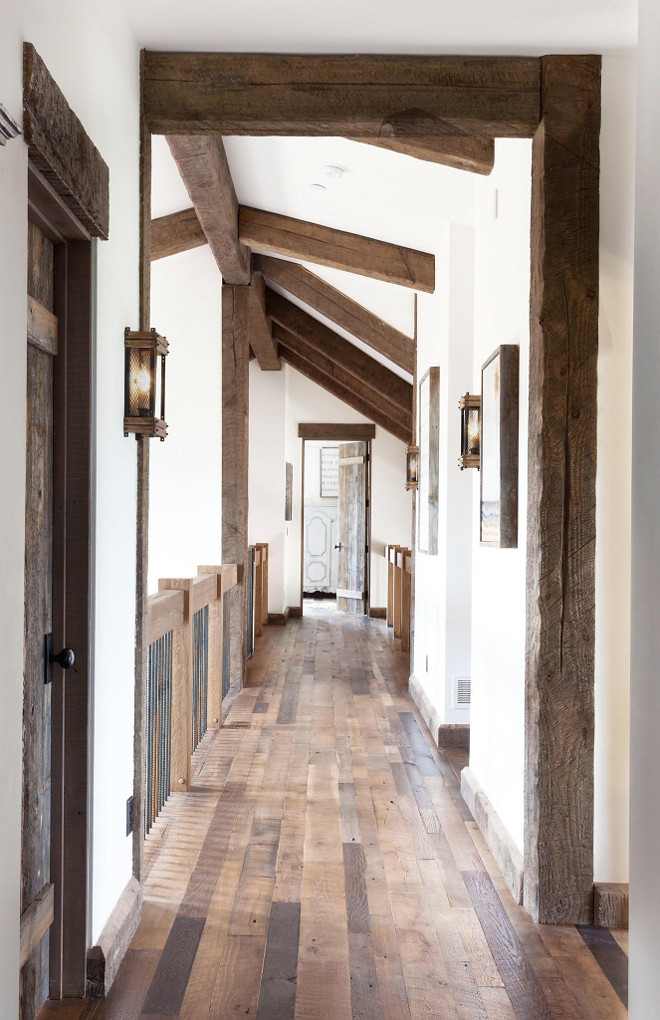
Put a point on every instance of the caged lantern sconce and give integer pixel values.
(470, 408)
(144, 402)
(412, 467)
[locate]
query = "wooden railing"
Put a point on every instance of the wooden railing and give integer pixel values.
(399, 570)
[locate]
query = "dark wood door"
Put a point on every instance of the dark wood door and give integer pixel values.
(352, 592)
(36, 895)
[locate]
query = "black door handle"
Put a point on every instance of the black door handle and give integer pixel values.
(65, 659)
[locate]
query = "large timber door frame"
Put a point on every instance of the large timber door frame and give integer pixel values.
(555, 100)
(68, 200)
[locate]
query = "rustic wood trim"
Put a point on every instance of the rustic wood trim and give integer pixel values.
(368, 409)
(500, 843)
(164, 613)
(340, 309)
(60, 148)
(203, 591)
(378, 612)
(311, 242)
(49, 211)
(182, 665)
(333, 350)
(278, 619)
(104, 958)
(174, 233)
(345, 431)
(611, 904)
(464, 152)
(35, 922)
(357, 96)
(559, 774)
(41, 327)
(235, 435)
(261, 337)
(204, 170)
(454, 735)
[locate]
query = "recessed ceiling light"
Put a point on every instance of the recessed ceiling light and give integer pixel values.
(334, 171)
(319, 187)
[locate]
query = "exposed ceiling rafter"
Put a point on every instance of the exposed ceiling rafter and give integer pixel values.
(463, 152)
(259, 329)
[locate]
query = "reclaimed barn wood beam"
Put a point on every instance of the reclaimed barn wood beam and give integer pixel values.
(311, 242)
(358, 403)
(361, 388)
(365, 369)
(463, 152)
(204, 169)
(356, 96)
(177, 232)
(261, 338)
(340, 309)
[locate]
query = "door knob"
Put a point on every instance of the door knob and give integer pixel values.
(65, 658)
(338, 546)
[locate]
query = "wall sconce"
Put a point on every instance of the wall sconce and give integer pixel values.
(412, 467)
(470, 408)
(145, 383)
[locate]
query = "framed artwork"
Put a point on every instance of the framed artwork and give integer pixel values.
(329, 472)
(499, 449)
(429, 462)
(288, 493)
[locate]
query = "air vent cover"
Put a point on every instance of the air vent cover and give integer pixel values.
(462, 691)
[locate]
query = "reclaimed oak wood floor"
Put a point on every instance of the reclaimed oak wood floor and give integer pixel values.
(325, 867)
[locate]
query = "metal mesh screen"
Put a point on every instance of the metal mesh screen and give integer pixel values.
(159, 728)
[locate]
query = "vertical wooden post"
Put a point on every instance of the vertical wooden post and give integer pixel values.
(235, 411)
(182, 661)
(391, 560)
(559, 780)
(405, 599)
(214, 699)
(264, 582)
(396, 591)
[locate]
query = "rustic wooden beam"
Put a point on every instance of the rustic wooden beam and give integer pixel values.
(235, 434)
(177, 232)
(42, 327)
(204, 169)
(463, 152)
(348, 431)
(366, 371)
(559, 777)
(261, 339)
(361, 388)
(60, 148)
(340, 309)
(357, 96)
(358, 403)
(35, 922)
(311, 242)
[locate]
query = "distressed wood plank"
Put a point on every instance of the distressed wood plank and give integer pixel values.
(559, 791)
(340, 309)
(41, 327)
(464, 152)
(261, 337)
(176, 232)
(204, 170)
(357, 96)
(35, 921)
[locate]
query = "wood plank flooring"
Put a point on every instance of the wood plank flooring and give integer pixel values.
(324, 866)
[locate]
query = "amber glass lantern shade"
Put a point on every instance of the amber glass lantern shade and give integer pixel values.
(144, 400)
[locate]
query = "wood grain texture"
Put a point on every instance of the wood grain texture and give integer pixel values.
(165, 612)
(611, 904)
(334, 350)
(277, 995)
(340, 309)
(176, 232)
(60, 148)
(35, 922)
(327, 382)
(261, 337)
(327, 246)
(235, 405)
(610, 958)
(562, 499)
(347, 432)
(204, 170)
(464, 152)
(357, 96)
(41, 327)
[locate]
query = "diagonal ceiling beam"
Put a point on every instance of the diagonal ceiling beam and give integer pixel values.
(180, 231)
(357, 96)
(463, 152)
(358, 403)
(205, 172)
(365, 370)
(340, 309)
(329, 368)
(311, 242)
(259, 331)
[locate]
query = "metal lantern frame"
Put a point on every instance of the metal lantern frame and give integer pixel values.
(470, 408)
(412, 467)
(144, 407)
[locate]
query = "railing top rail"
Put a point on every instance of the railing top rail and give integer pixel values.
(165, 612)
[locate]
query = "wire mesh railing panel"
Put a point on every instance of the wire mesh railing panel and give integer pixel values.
(200, 682)
(158, 727)
(226, 644)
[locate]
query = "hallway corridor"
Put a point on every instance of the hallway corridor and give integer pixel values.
(325, 867)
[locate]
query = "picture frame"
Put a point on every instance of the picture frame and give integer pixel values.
(429, 461)
(498, 516)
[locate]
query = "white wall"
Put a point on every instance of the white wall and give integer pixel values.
(185, 498)
(390, 503)
(645, 699)
(498, 575)
(267, 474)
